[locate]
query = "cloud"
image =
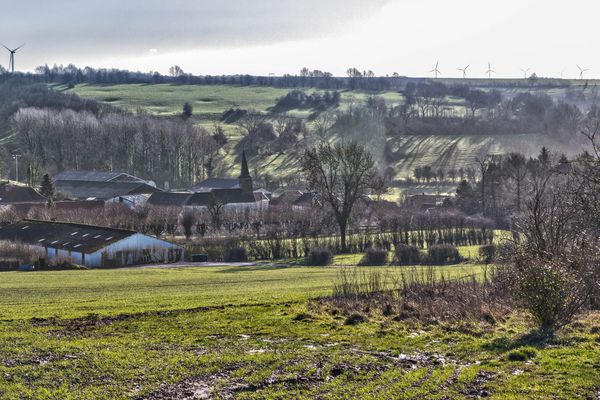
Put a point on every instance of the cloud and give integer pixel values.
(73, 29)
(281, 36)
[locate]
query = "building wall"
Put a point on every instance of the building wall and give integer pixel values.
(135, 249)
(131, 201)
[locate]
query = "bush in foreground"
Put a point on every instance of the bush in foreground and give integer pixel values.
(320, 257)
(406, 255)
(374, 257)
(555, 289)
(440, 254)
(487, 253)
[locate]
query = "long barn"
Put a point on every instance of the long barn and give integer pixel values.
(92, 246)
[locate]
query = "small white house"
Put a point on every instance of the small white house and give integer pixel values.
(92, 246)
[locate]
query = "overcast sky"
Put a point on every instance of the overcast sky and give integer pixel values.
(281, 36)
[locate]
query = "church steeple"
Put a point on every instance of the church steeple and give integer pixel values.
(245, 179)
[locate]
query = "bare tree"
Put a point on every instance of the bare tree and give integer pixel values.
(215, 211)
(517, 167)
(187, 220)
(340, 174)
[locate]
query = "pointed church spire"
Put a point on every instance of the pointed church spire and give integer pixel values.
(245, 173)
(245, 179)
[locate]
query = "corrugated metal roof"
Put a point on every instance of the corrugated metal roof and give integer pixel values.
(103, 190)
(19, 194)
(63, 235)
(96, 176)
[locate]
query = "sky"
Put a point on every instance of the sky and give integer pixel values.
(261, 37)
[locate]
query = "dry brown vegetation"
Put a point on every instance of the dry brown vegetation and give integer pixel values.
(424, 294)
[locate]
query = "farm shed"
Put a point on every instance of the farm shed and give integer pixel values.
(96, 176)
(14, 194)
(128, 193)
(92, 246)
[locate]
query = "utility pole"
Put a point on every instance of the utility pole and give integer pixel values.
(16, 158)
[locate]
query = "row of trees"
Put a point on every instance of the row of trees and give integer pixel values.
(300, 100)
(431, 107)
(498, 189)
(354, 79)
(166, 149)
(428, 174)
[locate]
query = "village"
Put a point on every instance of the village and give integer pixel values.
(92, 192)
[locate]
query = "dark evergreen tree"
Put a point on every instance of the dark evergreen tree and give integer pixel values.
(47, 188)
(187, 110)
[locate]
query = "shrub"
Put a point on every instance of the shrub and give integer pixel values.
(439, 254)
(374, 257)
(487, 253)
(320, 256)
(236, 254)
(422, 293)
(406, 255)
(554, 288)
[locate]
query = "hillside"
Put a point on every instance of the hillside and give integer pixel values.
(210, 101)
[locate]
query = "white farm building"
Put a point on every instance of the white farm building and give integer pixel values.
(92, 246)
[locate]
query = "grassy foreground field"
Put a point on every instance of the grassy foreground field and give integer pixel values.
(253, 332)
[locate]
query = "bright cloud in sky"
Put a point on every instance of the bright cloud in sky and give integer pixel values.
(262, 37)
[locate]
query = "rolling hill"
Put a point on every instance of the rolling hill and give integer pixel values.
(210, 101)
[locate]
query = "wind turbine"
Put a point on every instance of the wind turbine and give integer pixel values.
(11, 61)
(581, 71)
(490, 71)
(435, 70)
(525, 71)
(464, 71)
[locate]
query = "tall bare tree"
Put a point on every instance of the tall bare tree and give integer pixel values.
(340, 174)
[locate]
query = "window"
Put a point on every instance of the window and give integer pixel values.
(41, 240)
(87, 234)
(74, 233)
(25, 227)
(108, 238)
(77, 245)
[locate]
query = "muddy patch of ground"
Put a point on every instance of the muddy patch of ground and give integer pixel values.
(200, 387)
(309, 375)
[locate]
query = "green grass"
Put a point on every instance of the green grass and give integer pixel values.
(235, 331)
(71, 294)
(167, 99)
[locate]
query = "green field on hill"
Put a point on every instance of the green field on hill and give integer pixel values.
(210, 101)
(254, 332)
